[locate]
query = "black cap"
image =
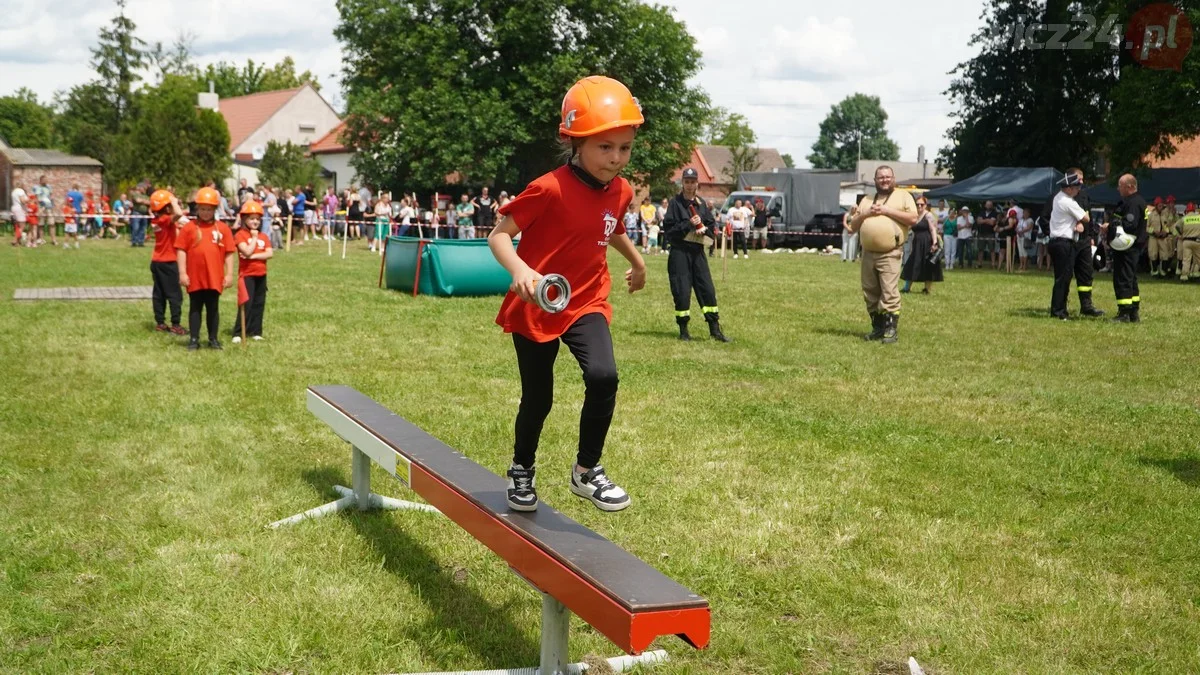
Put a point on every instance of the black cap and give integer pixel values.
(690, 173)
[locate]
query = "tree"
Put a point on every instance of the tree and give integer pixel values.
(855, 128)
(733, 131)
(169, 140)
(230, 80)
(788, 161)
(118, 59)
(175, 60)
(475, 87)
(286, 165)
(1151, 107)
(1025, 102)
(24, 122)
(84, 121)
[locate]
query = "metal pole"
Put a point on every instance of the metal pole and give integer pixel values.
(556, 623)
(360, 474)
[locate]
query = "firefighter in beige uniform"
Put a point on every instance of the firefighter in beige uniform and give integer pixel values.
(1162, 239)
(882, 222)
(1188, 229)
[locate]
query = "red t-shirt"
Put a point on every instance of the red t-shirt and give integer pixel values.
(31, 212)
(262, 244)
(206, 247)
(165, 229)
(565, 229)
(89, 207)
(68, 214)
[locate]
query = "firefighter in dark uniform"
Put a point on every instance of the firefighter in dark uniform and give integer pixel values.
(1129, 224)
(1082, 256)
(687, 223)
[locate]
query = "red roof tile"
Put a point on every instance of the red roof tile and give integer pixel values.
(245, 114)
(330, 142)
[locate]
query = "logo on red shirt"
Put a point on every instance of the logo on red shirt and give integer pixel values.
(610, 226)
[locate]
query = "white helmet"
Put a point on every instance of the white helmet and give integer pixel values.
(1122, 241)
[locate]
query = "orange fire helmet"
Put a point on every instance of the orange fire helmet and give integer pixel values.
(207, 197)
(251, 208)
(159, 200)
(596, 104)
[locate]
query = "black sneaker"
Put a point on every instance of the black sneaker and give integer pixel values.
(522, 492)
(214, 344)
(193, 345)
(596, 486)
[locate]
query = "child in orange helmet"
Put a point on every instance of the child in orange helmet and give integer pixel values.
(31, 217)
(104, 217)
(166, 218)
(204, 252)
(254, 250)
(567, 220)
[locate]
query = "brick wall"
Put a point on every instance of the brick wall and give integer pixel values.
(60, 179)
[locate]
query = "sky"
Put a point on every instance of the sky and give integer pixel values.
(782, 64)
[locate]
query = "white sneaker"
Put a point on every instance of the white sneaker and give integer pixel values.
(522, 488)
(596, 486)
(257, 338)
(66, 246)
(372, 249)
(237, 339)
(76, 244)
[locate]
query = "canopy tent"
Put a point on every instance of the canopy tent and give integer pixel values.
(1183, 184)
(1028, 185)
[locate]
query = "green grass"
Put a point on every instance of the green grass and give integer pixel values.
(997, 493)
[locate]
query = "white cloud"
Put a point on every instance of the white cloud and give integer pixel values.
(816, 51)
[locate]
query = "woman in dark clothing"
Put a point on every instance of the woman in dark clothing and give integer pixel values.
(920, 266)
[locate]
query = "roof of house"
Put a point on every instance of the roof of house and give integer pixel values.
(330, 142)
(1187, 155)
(36, 157)
(711, 161)
(246, 114)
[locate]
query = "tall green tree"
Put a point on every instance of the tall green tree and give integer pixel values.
(84, 122)
(476, 87)
(118, 59)
(288, 165)
(1151, 107)
(855, 128)
(788, 161)
(733, 131)
(1029, 98)
(170, 140)
(230, 80)
(24, 122)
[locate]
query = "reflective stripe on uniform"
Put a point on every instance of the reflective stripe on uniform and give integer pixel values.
(1128, 301)
(1085, 289)
(1137, 298)
(710, 310)
(683, 313)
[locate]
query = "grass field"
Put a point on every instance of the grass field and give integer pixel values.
(997, 493)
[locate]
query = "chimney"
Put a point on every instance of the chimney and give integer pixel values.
(209, 100)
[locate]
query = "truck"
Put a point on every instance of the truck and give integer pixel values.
(802, 203)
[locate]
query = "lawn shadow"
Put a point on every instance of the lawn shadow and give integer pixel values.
(1186, 469)
(668, 334)
(1030, 313)
(842, 332)
(454, 605)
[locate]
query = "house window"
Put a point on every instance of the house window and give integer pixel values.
(308, 127)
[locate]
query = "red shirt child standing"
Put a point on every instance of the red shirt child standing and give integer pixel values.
(204, 253)
(164, 269)
(254, 250)
(567, 219)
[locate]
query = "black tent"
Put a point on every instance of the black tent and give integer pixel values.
(1183, 184)
(1027, 185)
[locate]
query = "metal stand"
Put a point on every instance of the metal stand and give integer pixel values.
(361, 496)
(556, 623)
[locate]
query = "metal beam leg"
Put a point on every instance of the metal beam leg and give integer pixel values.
(359, 497)
(556, 625)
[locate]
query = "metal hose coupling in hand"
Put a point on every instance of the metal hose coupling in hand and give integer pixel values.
(542, 293)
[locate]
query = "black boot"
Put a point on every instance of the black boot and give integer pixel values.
(1124, 314)
(1086, 308)
(683, 327)
(1135, 312)
(877, 323)
(714, 328)
(891, 324)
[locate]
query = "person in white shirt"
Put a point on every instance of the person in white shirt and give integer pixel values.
(406, 214)
(1024, 238)
(966, 237)
(739, 220)
(18, 214)
(1067, 220)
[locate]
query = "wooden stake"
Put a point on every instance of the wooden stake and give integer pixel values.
(288, 244)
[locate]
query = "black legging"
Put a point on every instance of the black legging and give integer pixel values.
(739, 237)
(256, 288)
(591, 344)
(206, 301)
(166, 291)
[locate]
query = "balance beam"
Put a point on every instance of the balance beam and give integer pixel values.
(576, 570)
